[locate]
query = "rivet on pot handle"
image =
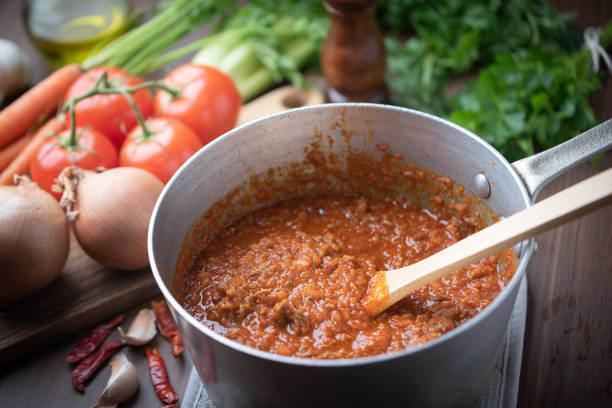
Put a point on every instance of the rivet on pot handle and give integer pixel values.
(538, 170)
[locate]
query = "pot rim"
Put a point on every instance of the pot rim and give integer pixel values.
(345, 362)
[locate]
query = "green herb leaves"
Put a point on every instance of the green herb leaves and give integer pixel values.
(529, 100)
(532, 95)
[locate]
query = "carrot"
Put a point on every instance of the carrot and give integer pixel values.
(21, 163)
(23, 112)
(11, 151)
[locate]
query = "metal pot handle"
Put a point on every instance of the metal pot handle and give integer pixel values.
(538, 170)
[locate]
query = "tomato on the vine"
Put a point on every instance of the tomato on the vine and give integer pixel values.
(110, 114)
(209, 102)
(90, 150)
(162, 152)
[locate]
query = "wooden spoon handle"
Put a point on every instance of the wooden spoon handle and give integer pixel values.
(388, 287)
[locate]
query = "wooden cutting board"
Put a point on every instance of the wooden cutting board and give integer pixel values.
(87, 293)
(84, 294)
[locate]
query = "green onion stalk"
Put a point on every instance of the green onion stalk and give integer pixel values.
(136, 49)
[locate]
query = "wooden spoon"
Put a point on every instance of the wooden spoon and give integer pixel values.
(388, 287)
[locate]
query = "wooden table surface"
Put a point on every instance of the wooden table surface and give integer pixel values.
(567, 359)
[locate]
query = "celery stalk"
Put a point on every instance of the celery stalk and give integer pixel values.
(212, 54)
(256, 83)
(211, 48)
(254, 78)
(298, 50)
(240, 61)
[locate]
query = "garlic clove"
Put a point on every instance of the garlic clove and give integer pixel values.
(121, 385)
(142, 330)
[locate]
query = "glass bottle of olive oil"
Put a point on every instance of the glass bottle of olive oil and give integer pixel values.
(69, 31)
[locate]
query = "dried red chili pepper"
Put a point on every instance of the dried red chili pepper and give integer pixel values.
(87, 368)
(93, 340)
(167, 327)
(170, 406)
(159, 377)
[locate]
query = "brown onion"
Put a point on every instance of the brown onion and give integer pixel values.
(34, 240)
(110, 212)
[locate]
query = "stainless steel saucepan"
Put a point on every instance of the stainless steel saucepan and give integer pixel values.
(449, 371)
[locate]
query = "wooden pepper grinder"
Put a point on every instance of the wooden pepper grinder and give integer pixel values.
(353, 57)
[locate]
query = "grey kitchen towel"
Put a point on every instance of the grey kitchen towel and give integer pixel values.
(501, 392)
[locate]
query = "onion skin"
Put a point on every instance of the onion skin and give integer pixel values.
(114, 208)
(34, 240)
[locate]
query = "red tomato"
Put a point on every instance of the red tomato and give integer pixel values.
(209, 103)
(110, 114)
(163, 153)
(93, 150)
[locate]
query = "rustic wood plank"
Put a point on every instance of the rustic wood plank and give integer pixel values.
(85, 292)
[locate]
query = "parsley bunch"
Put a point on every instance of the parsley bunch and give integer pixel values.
(529, 100)
(534, 81)
(452, 37)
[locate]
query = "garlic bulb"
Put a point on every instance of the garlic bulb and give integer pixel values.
(142, 330)
(121, 385)
(14, 69)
